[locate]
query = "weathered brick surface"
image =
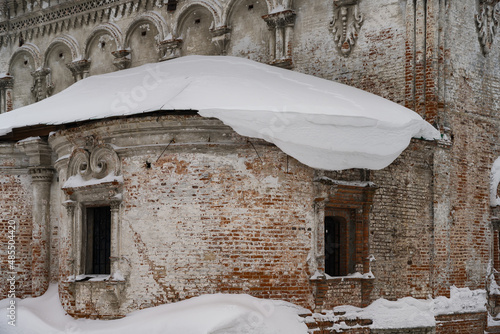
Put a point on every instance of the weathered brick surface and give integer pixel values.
(15, 205)
(467, 323)
(237, 218)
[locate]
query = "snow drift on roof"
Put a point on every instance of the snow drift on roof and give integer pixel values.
(321, 123)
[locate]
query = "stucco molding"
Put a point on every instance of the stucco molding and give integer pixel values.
(487, 24)
(345, 24)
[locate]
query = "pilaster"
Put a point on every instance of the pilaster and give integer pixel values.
(39, 154)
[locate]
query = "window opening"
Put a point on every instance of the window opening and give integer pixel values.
(339, 246)
(98, 240)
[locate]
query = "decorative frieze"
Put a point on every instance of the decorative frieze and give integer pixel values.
(345, 24)
(487, 24)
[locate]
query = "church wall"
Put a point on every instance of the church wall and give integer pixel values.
(16, 212)
(431, 202)
(228, 217)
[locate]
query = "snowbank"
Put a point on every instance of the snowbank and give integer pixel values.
(214, 314)
(410, 312)
(321, 123)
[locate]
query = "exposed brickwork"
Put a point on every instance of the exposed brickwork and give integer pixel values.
(468, 323)
(15, 199)
(214, 213)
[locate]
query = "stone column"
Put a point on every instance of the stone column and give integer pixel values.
(39, 154)
(115, 236)
(40, 87)
(6, 85)
(281, 26)
(69, 236)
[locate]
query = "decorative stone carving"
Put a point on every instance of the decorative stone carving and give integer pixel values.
(6, 86)
(487, 24)
(41, 86)
(345, 24)
(170, 48)
(41, 174)
(122, 59)
(97, 164)
(79, 69)
(281, 26)
(221, 37)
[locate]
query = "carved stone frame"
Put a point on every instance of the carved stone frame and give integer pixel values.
(100, 184)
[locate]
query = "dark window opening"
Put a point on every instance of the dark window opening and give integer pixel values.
(143, 33)
(98, 243)
(197, 21)
(171, 5)
(250, 7)
(339, 246)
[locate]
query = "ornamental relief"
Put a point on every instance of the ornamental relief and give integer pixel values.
(346, 24)
(487, 23)
(96, 163)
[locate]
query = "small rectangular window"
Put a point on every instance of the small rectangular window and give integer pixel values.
(98, 241)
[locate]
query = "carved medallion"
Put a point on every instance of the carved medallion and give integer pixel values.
(345, 24)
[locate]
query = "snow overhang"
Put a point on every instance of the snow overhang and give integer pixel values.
(321, 123)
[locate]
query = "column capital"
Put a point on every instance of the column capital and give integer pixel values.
(170, 48)
(280, 19)
(7, 82)
(41, 174)
(79, 68)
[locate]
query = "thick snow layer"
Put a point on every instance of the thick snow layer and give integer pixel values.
(321, 123)
(214, 314)
(410, 312)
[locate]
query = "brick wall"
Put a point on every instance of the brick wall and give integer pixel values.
(15, 204)
(467, 323)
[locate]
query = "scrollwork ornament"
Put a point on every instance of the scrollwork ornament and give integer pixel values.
(100, 162)
(104, 161)
(79, 163)
(345, 24)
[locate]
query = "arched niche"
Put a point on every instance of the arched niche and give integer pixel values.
(142, 39)
(57, 57)
(249, 32)
(194, 30)
(23, 62)
(100, 44)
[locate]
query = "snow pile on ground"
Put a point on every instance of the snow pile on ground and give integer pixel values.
(321, 123)
(410, 312)
(208, 314)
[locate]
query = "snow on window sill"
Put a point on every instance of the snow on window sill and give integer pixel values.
(319, 276)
